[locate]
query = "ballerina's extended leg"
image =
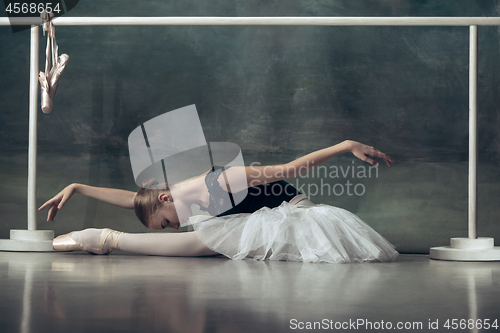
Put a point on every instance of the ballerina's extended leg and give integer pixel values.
(103, 241)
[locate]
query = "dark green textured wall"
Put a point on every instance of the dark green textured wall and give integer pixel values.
(277, 92)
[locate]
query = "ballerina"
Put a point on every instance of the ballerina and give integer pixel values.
(274, 221)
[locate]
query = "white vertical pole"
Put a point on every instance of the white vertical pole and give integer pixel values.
(34, 51)
(31, 239)
(473, 133)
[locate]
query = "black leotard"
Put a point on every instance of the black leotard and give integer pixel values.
(265, 195)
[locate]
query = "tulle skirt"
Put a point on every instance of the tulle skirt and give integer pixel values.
(303, 232)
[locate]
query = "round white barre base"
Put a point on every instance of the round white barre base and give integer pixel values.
(468, 249)
(28, 241)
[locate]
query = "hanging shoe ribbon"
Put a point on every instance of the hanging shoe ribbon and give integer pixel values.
(50, 79)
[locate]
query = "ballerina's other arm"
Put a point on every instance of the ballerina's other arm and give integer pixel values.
(115, 197)
(256, 175)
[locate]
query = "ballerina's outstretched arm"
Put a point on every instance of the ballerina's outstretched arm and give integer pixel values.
(91, 240)
(361, 151)
(115, 197)
(256, 175)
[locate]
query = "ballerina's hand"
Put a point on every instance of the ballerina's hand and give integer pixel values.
(363, 152)
(58, 201)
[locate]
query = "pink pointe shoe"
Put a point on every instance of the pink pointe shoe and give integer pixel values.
(55, 74)
(66, 243)
(45, 96)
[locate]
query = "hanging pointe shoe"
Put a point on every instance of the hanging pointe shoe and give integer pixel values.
(46, 101)
(107, 242)
(56, 72)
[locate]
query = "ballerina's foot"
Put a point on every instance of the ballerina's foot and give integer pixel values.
(95, 241)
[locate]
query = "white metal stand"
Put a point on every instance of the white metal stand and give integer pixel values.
(31, 239)
(471, 248)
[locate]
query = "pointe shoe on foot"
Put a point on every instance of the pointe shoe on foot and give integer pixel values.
(66, 243)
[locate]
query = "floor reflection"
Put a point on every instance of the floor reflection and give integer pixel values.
(483, 276)
(82, 293)
(473, 280)
(26, 312)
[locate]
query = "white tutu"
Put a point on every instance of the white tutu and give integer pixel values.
(304, 232)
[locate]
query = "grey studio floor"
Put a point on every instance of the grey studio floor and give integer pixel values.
(79, 292)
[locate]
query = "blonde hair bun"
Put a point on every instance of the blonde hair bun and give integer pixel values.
(150, 184)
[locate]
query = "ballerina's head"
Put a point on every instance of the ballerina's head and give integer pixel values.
(154, 206)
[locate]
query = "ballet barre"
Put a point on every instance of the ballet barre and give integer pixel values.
(472, 248)
(310, 21)
(294, 21)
